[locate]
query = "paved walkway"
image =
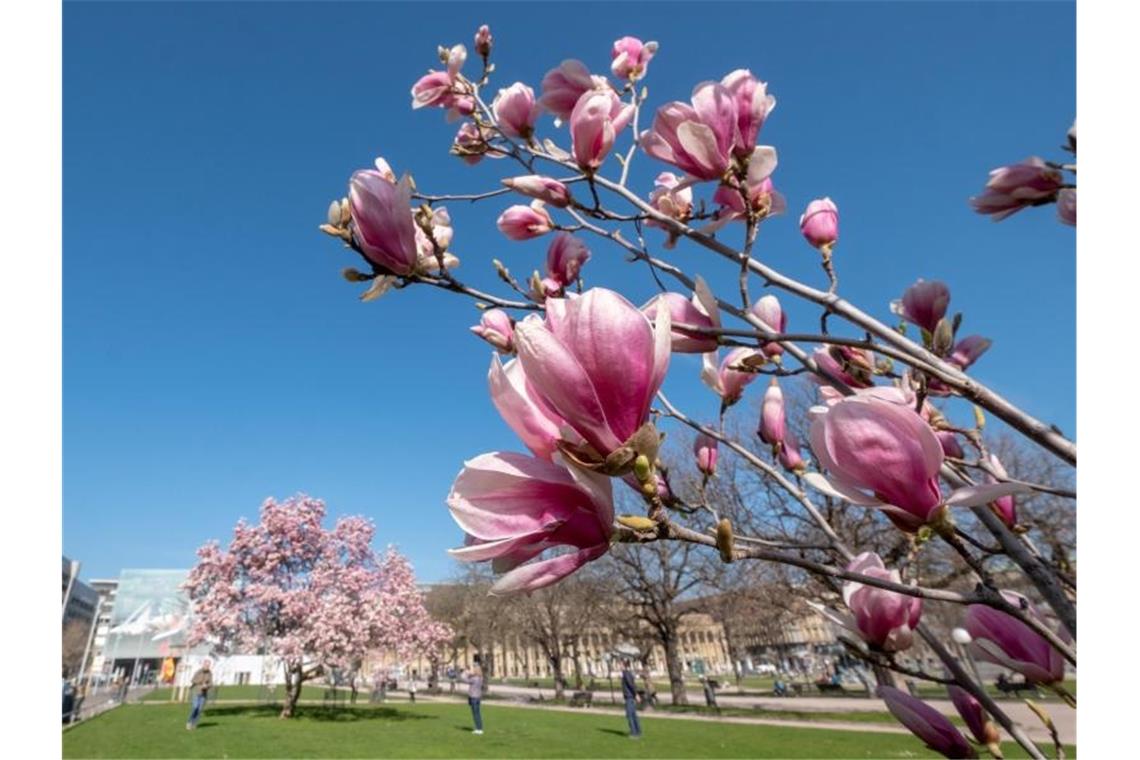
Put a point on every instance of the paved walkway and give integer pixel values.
(1064, 717)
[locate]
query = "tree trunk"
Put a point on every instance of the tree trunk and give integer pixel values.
(294, 677)
(676, 674)
(556, 669)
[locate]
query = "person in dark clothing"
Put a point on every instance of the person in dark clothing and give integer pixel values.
(629, 694)
(200, 685)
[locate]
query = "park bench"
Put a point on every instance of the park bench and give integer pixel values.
(829, 688)
(582, 699)
(1006, 686)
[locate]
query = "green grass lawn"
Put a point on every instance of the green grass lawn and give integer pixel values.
(442, 730)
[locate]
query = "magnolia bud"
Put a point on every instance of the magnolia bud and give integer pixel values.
(724, 539)
(979, 417)
(943, 339)
(353, 275)
(636, 522)
(642, 469)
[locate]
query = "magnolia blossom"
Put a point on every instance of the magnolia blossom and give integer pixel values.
(564, 260)
(772, 425)
(597, 362)
(545, 189)
(1002, 639)
(969, 350)
(1067, 206)
(699, 311)
(768, 310)
(789, 454)
(483, 41)
(1005, 506)
(631, 57)
(495, 327)
(472, 143)
(753, 104)
(437, 89)
(884, 619)
(525, 222)
(1012, 188)
(456, 57)
(853, 366)
(929, 725)
(950, 445)
(819, 223)
(672, 199)
(923, 304)
(516, 110)
(974, 715)
(763, 201)
(513, 507)
(536, 425)
(594, 123)
(698, 139)
(564, 86)
(705, 450)
(878, 452)
(382, 221)
(724, 380)
(427, 256)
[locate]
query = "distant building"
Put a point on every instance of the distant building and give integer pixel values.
(81, 599)
(106, 589)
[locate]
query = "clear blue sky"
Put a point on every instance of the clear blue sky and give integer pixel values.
(213, 356)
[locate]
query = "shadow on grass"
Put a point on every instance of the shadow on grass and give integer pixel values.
(322, 714)
(614, 731)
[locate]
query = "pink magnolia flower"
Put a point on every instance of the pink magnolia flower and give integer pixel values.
(456, 57)
(631, 57)
(1005, 506)
(974, 715)
(884, 619)
(472, 143)
(725, 381)
(525, 222)
(564, 86)
(1067, 206)
(545, 189)
(1004, 640)
(763, 200)
(969, 350)
(594, 123)
(514, 507)
(853, 366)
(382, 221)
(434, 89)
(564, 260)
(698, 139)
(1012, 188)
(753, 104)
(672, 199)
(772, 424)
(950, 445)
(700, 311)
(923, 304)
(516, 110)
(789, 455)
(929, 725)
(767, 309)
(539, 428)
(483, 41)
(820, 223)
(597, 362)
(705, 450)
(880, 453)
(496, 328)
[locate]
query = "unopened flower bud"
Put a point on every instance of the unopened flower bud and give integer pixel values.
(820, 223)
(943, 339)
(637, 522)
(483, 41)
(642, 468)
(354, 275)
(724, 539)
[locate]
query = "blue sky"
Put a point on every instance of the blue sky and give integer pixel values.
(213, 356)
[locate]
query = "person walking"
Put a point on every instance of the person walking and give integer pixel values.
(412, 686)
(200, 685)
(474, 681)
(629, 694)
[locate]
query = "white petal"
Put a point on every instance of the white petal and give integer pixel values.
(839, 491)
(972, 496)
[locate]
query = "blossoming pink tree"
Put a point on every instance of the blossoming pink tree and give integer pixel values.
(316, 598)
(577, 375)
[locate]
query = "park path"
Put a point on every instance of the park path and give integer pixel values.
(1064, 717)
